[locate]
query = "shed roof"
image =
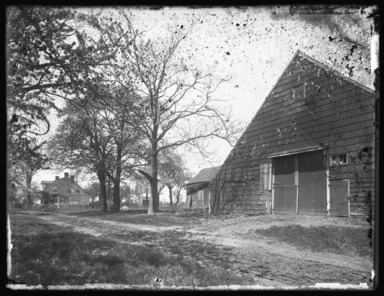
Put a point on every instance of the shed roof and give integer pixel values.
(205, 175)
(46, 182)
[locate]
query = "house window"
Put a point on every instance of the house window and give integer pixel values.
(77, 191)
(339, 159)
(69, 190)
(73, 202)
(265, 177)
(54, 189)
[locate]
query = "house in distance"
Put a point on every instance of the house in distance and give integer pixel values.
(64, 191)
(197, 188)
(308, 150)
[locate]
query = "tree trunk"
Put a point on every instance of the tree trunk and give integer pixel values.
(177, 196)
(170, 195)
(109, 189)
(29, 185)
(153, 206)
(103, 191)
(116, 182)
(154, 200)
(116, 195)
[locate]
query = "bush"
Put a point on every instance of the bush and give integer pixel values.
(19, 205)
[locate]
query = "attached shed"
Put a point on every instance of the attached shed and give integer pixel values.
(197, 188)
(308, 150)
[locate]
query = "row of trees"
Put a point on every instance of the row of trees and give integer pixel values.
(130, 101)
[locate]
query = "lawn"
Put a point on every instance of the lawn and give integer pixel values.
(47, 254)
(167, 216)
(338, 240)
(139, 216)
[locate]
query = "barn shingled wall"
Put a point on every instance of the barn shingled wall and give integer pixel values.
(310, 105)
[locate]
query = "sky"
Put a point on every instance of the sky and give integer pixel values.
(253, 45)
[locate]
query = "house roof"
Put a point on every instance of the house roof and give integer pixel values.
(205, 175)
(62, 186)
(308, 58)
(46, 182)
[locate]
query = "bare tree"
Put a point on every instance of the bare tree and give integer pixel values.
(171, 170)
(178, 105)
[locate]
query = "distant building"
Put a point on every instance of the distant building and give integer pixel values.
(46, 184)
(197, 188)
(64, 191)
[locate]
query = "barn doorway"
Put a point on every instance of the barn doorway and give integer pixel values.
(300, 183)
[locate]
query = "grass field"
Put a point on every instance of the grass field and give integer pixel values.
(47, 254)
(338, 240)
(168, 216)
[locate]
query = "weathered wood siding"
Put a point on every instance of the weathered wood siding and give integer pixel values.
(309, 106)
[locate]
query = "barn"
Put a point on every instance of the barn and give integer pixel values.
(308, 150)
(197, 188)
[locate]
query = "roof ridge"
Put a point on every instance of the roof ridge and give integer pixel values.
(317, 63)
(334, 71)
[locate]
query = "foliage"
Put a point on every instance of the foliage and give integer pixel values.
(92, 189)
(171, 170)
(25, 164)
(101, 138)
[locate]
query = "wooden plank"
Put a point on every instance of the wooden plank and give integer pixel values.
(331, 129)
(300, 110)
(339, 191)
(345, 98)
(280, 120)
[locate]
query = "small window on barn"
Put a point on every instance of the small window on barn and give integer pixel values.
(339, 159)
(265, 177)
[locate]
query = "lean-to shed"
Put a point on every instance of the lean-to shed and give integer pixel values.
(308, 150)
(197, 188)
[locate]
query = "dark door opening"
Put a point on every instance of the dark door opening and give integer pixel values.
(300, 183)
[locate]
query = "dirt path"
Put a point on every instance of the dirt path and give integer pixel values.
(224, 243)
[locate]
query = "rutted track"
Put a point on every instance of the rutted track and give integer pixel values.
(224, 244)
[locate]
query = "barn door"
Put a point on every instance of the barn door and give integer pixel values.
(285, 190)
(312, 192)
(339, 192)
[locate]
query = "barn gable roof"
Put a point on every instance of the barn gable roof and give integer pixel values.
(310, 59)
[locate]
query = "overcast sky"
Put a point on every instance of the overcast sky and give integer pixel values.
(254, 45)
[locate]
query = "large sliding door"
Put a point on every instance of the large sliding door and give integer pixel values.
(312, 182)
(300, 183)
(285, 190)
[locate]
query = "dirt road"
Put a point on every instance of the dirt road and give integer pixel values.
(227, 243)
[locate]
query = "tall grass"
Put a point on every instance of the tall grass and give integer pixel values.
(60, 257)
(339, 240)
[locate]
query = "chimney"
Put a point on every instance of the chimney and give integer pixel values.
(57, 177)
(72, 179)
(66, 175)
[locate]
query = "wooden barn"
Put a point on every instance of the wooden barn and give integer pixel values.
(197, 188)
(308, 150)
